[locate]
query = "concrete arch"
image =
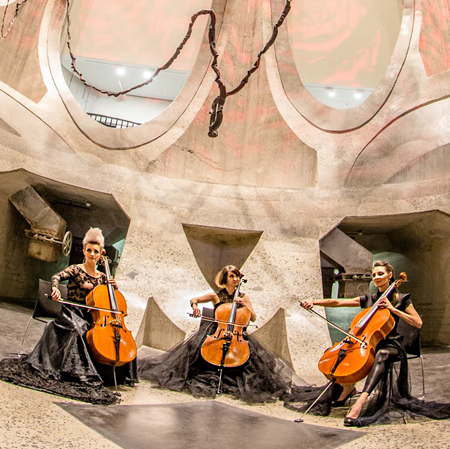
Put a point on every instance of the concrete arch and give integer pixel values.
(333, 120)
(200, 80)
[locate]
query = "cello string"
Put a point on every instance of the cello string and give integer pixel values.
(364, 320)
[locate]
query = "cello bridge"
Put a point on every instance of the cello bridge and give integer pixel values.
(115, 323)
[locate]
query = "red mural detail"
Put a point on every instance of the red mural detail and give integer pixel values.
(434, 44)
(136, 32)
(323, 37)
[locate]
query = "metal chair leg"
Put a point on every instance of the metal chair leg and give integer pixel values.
(331, 382)
(23, 339)
(423, 378)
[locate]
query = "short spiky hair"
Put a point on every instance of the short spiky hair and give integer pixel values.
(94, 236)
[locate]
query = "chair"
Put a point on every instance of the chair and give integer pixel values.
(208, 314)
(45, 309)
(411, 340)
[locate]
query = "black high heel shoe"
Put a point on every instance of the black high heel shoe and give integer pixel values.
(352, 422)
(342, 402)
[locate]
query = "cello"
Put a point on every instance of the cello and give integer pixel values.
(109, 340)
(227, 347)
(351, 359)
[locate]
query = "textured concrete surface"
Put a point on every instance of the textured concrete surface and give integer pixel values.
(45, 424)
(283, 165)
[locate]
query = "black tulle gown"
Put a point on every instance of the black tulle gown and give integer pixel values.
(61, 362)
(264, 378)
(267, 378)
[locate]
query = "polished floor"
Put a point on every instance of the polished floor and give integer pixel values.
(31, 419)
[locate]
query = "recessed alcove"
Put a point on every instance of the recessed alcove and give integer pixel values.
(80, 208)
(418, 244)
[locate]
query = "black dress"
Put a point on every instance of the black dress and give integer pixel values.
(264, 378)
(391, 400)
(61, 362)
(267, 378)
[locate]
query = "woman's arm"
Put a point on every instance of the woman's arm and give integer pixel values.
(57, 278)
(245, 301)
(332, 302)
(208, 297)
(410, 314)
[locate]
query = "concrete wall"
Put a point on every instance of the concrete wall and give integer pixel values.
(283, 165)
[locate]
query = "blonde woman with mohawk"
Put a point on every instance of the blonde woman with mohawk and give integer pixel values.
(61, 363)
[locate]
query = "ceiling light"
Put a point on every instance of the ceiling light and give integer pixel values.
(148, 74)
(331, 92)
(357, 94)
(120, 71)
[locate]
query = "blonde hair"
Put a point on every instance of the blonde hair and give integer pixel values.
(95, 237)
(221, 277)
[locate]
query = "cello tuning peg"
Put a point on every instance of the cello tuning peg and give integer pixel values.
(244, 280)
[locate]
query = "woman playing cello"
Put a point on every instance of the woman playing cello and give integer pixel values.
(228, 278)
(182, 368)
(61, 362)
(389, 350)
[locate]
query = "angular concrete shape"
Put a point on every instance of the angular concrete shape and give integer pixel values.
(157, 330)
(214, 248)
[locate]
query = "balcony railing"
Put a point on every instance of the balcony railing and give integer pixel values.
(113, 122)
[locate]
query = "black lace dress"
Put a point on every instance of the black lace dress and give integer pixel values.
(61, 363)
(264, 378)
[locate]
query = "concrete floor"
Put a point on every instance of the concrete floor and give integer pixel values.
(31, 419)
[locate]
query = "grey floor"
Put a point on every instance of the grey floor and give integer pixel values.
(34, 419)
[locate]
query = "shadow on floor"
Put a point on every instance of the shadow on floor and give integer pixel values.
(203, 425)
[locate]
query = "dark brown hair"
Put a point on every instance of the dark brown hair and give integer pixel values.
(221, 277)
(388, 266)
(389, 269)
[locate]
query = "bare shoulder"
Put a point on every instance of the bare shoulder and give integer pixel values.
(208, 297)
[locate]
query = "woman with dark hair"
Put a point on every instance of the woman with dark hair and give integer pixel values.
(227, 278)
(389, 350)
(61, 362)
(265, 377)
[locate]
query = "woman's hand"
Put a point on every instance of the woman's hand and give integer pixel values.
(196, 311)
(56, 294)
(240, 301)
(113, 282)
(386, 304)
(307, 304)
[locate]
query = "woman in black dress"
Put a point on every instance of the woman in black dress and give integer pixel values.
(389, 350)
(61, 362)
(265, 377)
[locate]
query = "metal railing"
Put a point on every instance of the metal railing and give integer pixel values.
(113, 122)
